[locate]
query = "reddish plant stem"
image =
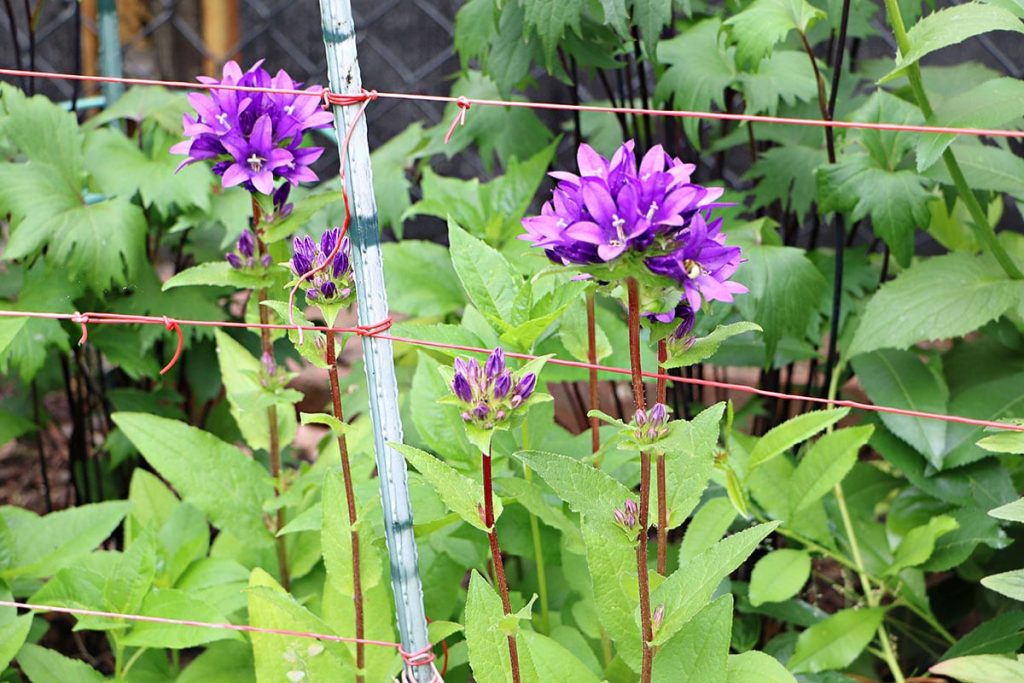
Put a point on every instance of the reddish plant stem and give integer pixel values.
(595, 398)
(350, 500)
(639, 399)
(499, 566)
(267, 347)
(662, 501)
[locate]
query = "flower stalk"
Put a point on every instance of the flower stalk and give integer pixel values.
(595, 399)
(350, 500)
(646, 625)
(660, 466)
(499, 566)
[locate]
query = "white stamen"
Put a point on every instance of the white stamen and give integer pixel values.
(651, 210)
(618, 224)
(222, 119)
(255, 162)
(692, 269)
(290, 109)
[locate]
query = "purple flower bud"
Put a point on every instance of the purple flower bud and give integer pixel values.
(631, 507)
(502, 384)
(304, 254)
(619, 517)
(268, 363)
(328, 240)
(312, 294)
(658, 617)
(526, 386)
(467, 416)
(345, 292)
(280, 199)
(462, 365)
(659, 414)
(516, 401)
(265, 260)
(495, 363)
(652, 433)
(246, 244)
(686, 318)
(234, 260)
(640, 417)
(329, 289)
(500, 415)
(481, 411)
(340, 266)
(460, 385)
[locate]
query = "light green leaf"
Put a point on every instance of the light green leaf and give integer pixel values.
(572, 332)
(1013, 512)
(779, 575)
(986, 168)
(759, 27)
(489, 280)
(835, 642)
(184, 456)
(689, 588)
(551, 661)
(915, 306)
(787, 174)
(531, 497)
(438, 424)
(706, 528)
(700, 651)
(689, 459)
(991, 104)
(132, 576)
(461, 494)
(336, 536)
(611, 561)
(391, 164)
(169, 603)
(44, 132)
(38, 546)
(703, 348)
(488, 645)
(919, 543)
(791, 432)
(42, 665)
(825, 464)
(302, 211)
(757, 667)
(1010, 584)
(785, 76)
(225, 661)
(420, 279)
(12, 426)
(651, 16)
(218, 274)
(587, 490)
(1004, 442)
(12, 635)
(981, 669)
(953, 25)
(901, 379)
(786, 291)
(550, 20)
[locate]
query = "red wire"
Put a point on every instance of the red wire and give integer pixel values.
(379, 330)
(465, 102)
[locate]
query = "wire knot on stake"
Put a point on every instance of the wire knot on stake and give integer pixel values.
(374, 329)
(329, 99)
(463, 104)
(424, 657)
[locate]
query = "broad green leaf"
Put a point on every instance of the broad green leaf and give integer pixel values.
(218, 274)
(1003, 634)
(825, 464)
(650, 17)
(975, 528)
(689, 588)
(986, 168)
(487, 643)
(836, 642)
(895, 200)
(551, 661)
(981, 669)
(786, 291)
(919, 544)
(785, 76)
(705, 347)
(489, 280)
(225, 661)
(757, 667)
(1010, 584)
(900, 379)
(572, 332)
(35, 547)
(185, 457)
(169, 603)
(700, 68)
(689, 460)
(276, 656)
(420, 279)
(953, 25)
(587, 490)
(43, 665)
(391, 164)
(44, 132)
(791, 432)
(438, 424)
(616, 15)
(551, 20)
(248, 398)
(475, 25)
(335, 539)
(153, 103)
(712, 520)
(1013, 512)
(1004, 442)
(699, 652)
(303, 211)
(531, 496)
(762, 25)
(611, 561)
(132, 576)
(991, 104)
(12, 426)
(461, 494)
(787, 174)
(914, 307)
(12, 635)
(779, 575)
(997, 399)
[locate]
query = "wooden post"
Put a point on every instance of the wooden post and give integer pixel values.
(221, 20)
(343, 69)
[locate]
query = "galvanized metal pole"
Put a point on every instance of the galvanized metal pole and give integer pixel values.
(343, 69)
(110, 48)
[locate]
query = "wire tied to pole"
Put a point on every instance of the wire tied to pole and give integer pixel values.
(463, 105)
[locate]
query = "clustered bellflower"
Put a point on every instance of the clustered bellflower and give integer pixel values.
(253, 138)
(332, 284)
(650, 221)
(244, 255)
(490, 394)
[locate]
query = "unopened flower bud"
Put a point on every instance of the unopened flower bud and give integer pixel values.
(502, 385)
(640, 417)
(265, 260)
(658, 617)
(246, 244)
(328, 289)
(500, 415)
(516, 401)
(659, 414)
(233, 259)
(460, 385)
(467, 416)
(631, 507)
(619, 517)
(481, 411)
(495, 365)
(269, 365)
(525, 386)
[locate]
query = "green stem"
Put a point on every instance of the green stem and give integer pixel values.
(983, 229)
(538, 548)
(130, 663)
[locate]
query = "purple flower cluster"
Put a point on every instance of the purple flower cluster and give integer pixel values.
(254, 138)
(651, 219)
(331, 284)
(650, 426)
(628, 516)
(244, 255)
(490, 393)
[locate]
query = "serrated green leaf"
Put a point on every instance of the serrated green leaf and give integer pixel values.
(689, 459)
(835, 642)
(169, 603)
(303, 211)
(757, 667)
(132, 576)
(759, 27)
(550, 21)
(784, 76)
(705, 347)
(791, 432)
(487, 644)
(706, 528)
(572, 332)
(218, 274)
(184, 456)
(826, 464)
(986, 168)
(651, 16)
(12, 635)
(153, 103)
(699, 652)
(919, 543)
(531, 497)
(391, 163)
(587, 490)
(44, 132)
(409, 291)
(461, 494)
(981, 669)
(914, 307)
(950, 26)
(786, 174)
(489, 280)
(1005, 442)
(551, 661)
(1013, 512)
(779, 575)
(43, 665)
(1010, 584)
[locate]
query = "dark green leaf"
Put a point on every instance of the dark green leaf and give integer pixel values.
(759, 27)
(836, 642)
